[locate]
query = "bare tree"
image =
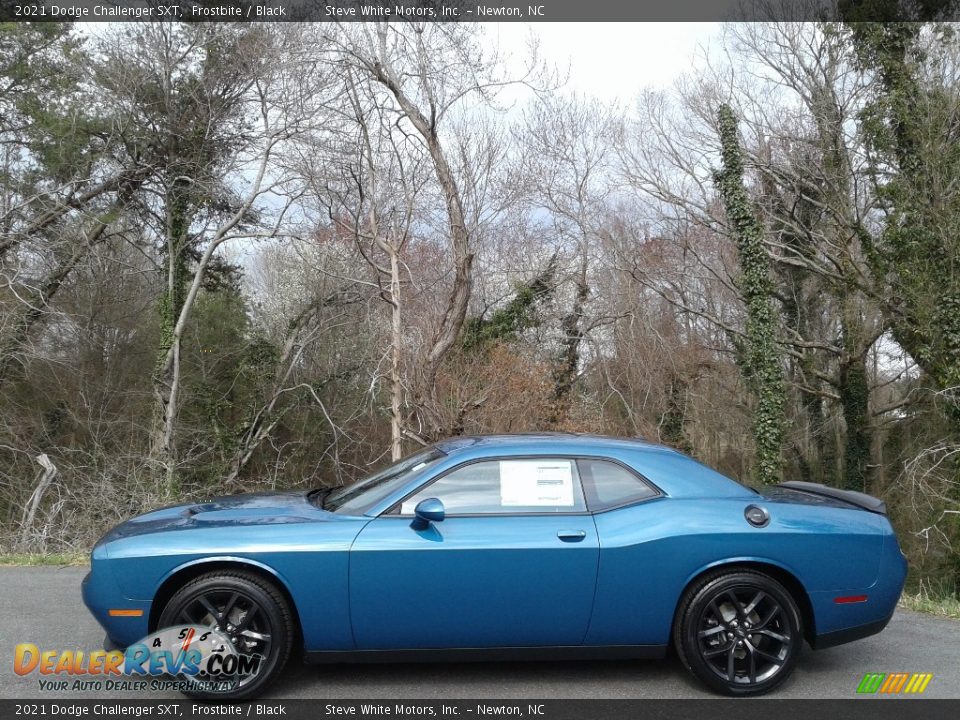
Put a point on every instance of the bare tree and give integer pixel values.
(567, 155)
(370, 184)
(428, 71)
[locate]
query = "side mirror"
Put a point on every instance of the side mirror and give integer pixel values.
(428, 511)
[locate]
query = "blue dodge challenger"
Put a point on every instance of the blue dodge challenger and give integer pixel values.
(513, 546)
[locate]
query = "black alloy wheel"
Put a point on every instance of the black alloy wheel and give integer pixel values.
(739, 632)
(247, 609)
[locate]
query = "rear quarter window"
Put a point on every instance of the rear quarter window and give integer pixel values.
(608, 484)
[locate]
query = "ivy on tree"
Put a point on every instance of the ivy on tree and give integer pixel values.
(760, 360)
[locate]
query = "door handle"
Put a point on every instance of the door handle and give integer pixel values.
(571, 535)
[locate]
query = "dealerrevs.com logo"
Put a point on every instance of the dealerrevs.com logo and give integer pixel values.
(894, 683)
(185, 657)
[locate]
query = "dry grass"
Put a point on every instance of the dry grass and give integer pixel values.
(38, 559)
(932, 598)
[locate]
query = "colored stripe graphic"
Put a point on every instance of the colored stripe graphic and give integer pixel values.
(894, 683)
(889, 682)
(921, 680)
(901, 681)
(871, 683)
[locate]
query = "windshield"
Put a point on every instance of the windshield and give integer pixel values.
(358, 498)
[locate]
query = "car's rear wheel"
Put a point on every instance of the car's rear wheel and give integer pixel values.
(248, 610)
(739, 632)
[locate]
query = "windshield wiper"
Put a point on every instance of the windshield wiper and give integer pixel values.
(319, 497)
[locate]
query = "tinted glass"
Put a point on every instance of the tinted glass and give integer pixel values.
(364, 494)
(609, 484)
(543, 485)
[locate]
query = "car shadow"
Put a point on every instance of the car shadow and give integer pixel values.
(609, 679)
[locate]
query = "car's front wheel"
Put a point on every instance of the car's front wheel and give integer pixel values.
(739, 632)
(251, 612)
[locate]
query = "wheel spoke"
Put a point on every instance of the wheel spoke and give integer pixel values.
(260, 637)
(753, 603)
(229, 606)
(716, 612)
(185, 616)
(247, 617)
(731, 660)
(710, 632)
(213, 612)
(771, 634)
(737, 605)
(770, 616)
(767, 656)
(753, 664)
(716, 651)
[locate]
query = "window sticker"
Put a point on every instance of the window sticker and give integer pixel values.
(538, 483)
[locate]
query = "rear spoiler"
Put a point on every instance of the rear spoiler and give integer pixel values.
(859, 499)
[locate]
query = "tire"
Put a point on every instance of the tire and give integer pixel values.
(271, 622)
(739, 632)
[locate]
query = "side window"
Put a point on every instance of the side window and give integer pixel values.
(609, 485)
(542, 485)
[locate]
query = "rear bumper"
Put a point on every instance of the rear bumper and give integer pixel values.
(838, 622)
(839, 637)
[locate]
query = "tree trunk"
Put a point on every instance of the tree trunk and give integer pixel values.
(166, 381)
(455, 312)
(396, 347)
(854, 389)
(572, 325)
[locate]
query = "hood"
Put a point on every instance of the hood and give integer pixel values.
(250, 505)
(265, 508)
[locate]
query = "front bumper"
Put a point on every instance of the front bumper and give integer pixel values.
(101, 594)
(109, 644)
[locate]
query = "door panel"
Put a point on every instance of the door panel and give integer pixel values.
(488, 581)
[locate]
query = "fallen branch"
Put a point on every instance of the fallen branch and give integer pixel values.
(30, 510)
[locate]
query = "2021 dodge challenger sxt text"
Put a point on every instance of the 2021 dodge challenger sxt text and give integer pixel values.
(539, 546)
